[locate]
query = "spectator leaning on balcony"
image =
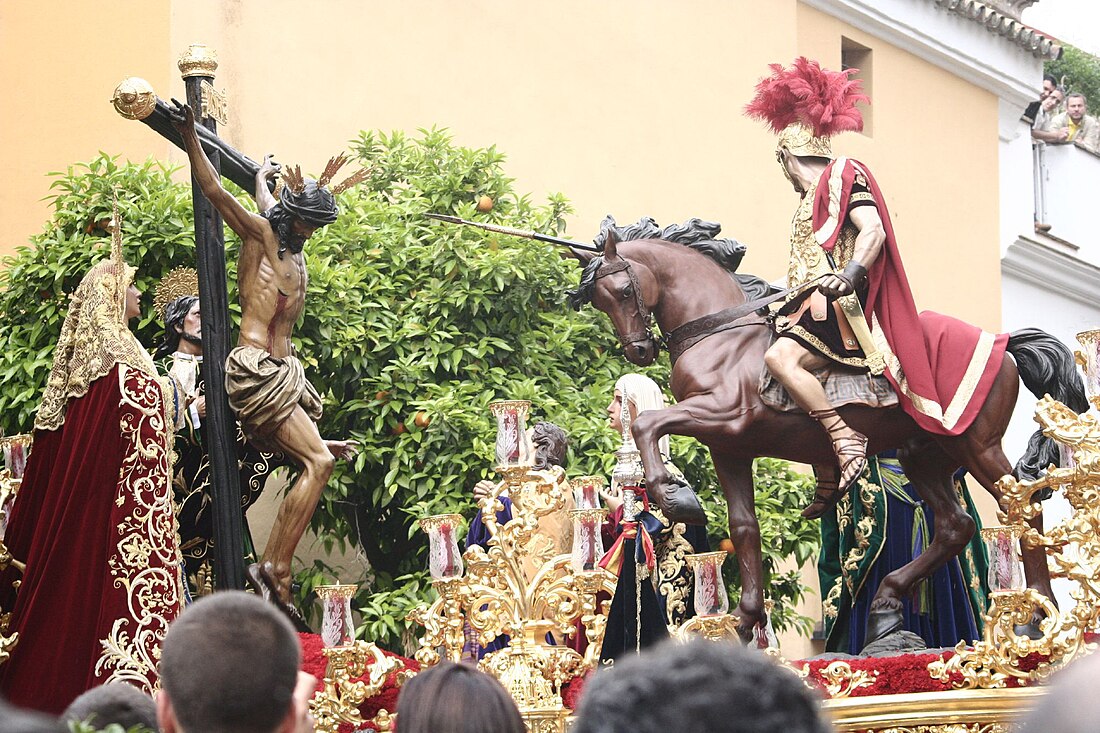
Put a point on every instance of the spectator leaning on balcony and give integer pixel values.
(1074, 125)
(1031, 113)
(1049, 109)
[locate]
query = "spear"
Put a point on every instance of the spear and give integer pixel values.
(515, 232)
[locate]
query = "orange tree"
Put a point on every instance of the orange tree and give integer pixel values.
(410, 329)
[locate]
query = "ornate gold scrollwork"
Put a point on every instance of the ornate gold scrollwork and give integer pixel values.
(338, 702)
(1073, 551)
(496, 597)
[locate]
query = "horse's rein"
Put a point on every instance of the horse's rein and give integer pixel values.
(683, 337)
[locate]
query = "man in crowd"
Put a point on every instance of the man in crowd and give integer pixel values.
(1049, 108)
(702, 687)
(1075, 125)
(230, 664)
(1031, 113)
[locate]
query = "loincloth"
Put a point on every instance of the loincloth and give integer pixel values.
(264, 390)
(842, 387)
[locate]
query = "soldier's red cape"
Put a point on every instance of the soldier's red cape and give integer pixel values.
(942, 368)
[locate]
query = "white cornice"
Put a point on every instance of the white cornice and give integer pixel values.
(947, 40)
(1052, 270)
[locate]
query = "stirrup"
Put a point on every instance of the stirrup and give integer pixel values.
(850, 450)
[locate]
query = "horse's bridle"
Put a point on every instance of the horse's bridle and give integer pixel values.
(627, 339)
(687, 335)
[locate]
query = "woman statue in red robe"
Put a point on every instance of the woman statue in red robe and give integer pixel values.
(93, 522)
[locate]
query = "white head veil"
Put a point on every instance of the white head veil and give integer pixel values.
(645, 394)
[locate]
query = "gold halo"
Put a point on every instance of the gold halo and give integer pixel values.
(176, 284)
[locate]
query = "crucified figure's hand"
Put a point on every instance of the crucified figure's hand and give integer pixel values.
(183, 117)
(267, 172)
(342, 449)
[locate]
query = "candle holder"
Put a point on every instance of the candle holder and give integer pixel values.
(1022, 624)
(16, 448)
(513, 448)
(586, 491)
(337, 628)
(1006, 570)
(355, 672)
(496, 596)
(1089, 360)
(710, 590)
(444, 559)
(587, 539)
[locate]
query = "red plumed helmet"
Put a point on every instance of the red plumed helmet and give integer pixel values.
(823, 101)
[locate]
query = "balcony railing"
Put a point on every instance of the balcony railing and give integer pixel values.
(1065, 196)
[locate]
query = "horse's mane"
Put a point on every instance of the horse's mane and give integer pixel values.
(694, 233)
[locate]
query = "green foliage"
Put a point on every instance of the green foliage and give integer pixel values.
(157, 235)
(1078, 71)
(411, 328)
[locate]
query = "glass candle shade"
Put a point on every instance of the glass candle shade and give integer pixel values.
(16, 448)
(710, 589)
(587, 538)
(763, 635)
(1002, 544)
(336, 626)
(586, 491)
(1090, 356)
(513, 449)
(1065, 456)
(444, 559)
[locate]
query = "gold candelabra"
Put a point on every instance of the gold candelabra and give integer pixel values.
(356, 670)
(517, 587)
(1007, 651)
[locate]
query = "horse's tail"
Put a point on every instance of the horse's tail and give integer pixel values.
(1046, 366)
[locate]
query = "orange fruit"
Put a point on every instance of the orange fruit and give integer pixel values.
(422, 420)
(484, 203)
(726, 545)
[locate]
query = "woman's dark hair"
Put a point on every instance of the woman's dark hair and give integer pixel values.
(454, 698)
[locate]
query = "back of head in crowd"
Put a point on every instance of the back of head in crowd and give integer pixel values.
(114, 702)
(454, 698)
(698, 687)
(1070, 705)
(229, 665)
(15, 720)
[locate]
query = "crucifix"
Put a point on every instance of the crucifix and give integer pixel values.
(266, 387)
(134, 99)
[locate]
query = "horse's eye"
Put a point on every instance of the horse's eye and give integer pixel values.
(628, 291)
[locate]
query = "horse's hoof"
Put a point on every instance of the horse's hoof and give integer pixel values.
(882, 622)
(680, 504)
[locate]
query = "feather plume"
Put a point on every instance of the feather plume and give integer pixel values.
(823, 101)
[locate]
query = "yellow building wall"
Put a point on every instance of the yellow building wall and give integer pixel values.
(61, 60)
(629, 107)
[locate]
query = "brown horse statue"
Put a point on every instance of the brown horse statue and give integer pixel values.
(716, 379)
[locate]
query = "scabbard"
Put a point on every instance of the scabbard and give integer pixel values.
(853, 312)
